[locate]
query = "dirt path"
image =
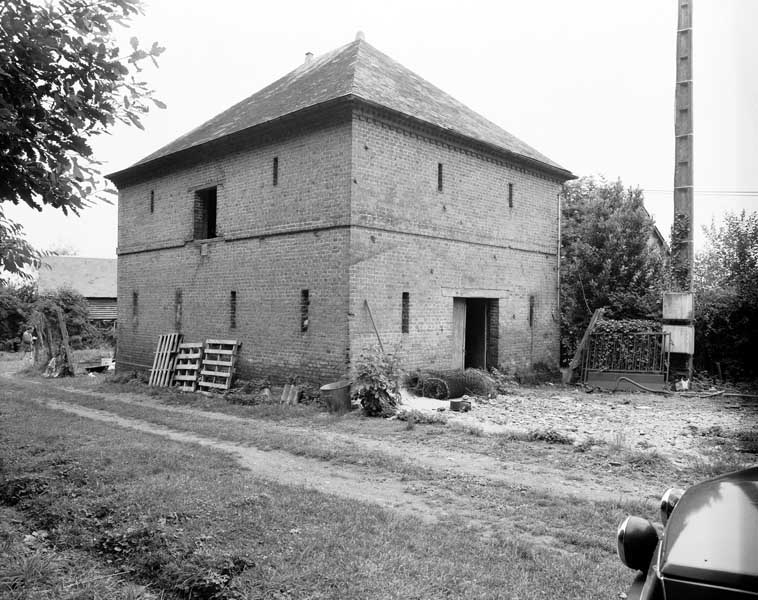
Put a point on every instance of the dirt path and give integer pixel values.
(351, 480)
(280, 467)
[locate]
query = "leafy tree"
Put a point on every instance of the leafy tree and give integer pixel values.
(15, 307)
(609, 257)
(43, 315)
(63, 80)
(15, 252)
(726, 296)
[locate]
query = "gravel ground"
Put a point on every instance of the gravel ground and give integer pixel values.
(675, 425)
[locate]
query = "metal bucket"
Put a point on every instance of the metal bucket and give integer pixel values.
(336, 396)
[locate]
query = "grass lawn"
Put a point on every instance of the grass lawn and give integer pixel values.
(187, 522)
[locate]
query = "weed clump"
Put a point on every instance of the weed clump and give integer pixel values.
(551, 436)
(376, 388)
(418, 417)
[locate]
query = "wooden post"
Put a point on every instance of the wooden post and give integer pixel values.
(684, 141)
(64, 336)
(596, 316)
(376, 331)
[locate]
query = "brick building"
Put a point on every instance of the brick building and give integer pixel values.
(348, 184)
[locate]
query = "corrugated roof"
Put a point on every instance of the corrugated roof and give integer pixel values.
(358, 70)
(91, 277)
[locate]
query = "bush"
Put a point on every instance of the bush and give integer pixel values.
(606, 257)
(15, 307)
(376, 387)
(726, 297)
(504, 383)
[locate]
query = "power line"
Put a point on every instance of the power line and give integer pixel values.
(707, 192)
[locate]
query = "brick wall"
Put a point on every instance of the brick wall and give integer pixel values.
(273, 242)
(312, 191)
(407, 236)
(356, 215)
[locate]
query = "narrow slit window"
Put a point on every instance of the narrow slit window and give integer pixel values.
(305, 303)
(178, 310)
(232, 310)
(206, 205)
(406, 313)
(152, 200)
(135, 307)
(439, 177)
(510, 195)
(276, 170)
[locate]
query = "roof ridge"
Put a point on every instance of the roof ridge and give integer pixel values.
(359, 70)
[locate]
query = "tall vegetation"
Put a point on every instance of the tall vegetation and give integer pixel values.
(726, 297)
(21, 307)
(610, 257)
(16, 304)
(63, 80)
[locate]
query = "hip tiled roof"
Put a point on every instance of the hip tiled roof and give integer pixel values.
(360, 71)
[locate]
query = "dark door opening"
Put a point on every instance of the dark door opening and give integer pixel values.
(476, 334)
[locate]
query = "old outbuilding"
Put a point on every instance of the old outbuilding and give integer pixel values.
(348, 201)
(93, 278)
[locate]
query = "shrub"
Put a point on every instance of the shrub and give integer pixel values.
(503, 383)
(376, 387)
(15, 306)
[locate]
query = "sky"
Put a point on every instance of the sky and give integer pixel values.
(589, 83)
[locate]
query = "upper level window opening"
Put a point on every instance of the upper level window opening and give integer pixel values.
(510, 195)
(276, 170)
(152, 200)
(205, 213)
(439, 177)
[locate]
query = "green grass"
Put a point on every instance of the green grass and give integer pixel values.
(186, 520)
(334, 439)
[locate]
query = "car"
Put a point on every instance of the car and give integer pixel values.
(708, 547)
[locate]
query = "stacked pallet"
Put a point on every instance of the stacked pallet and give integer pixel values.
(187, 366)
(193, 365)
(163, 364)
(218, 361)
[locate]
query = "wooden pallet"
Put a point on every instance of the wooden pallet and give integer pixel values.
(187, 366)
(217, 371)
(163, 363)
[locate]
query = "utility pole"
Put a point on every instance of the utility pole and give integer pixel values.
(684, 212)
(678, 304)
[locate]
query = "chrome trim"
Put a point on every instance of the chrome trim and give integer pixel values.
(669, 501)
(620, 534)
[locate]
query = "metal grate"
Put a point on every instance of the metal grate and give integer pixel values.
(627, 354)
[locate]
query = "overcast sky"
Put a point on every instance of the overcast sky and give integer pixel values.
(589, 83)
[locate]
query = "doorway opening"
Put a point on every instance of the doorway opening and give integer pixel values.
(475, 333)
